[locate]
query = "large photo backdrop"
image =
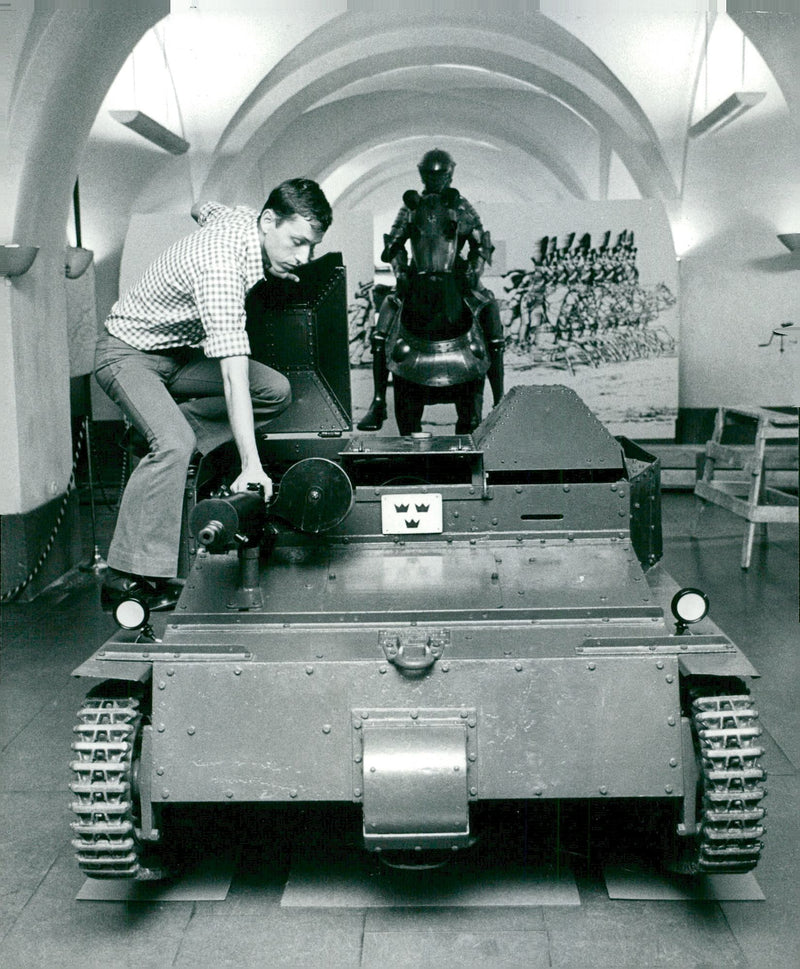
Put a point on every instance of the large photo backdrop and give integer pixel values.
(588, 298)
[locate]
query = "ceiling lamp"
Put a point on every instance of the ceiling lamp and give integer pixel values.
(150, 129)
(730, 109)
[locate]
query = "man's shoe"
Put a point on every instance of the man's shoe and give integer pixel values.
(156, 594)
(165, 595)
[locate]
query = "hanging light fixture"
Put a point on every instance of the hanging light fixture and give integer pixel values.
(733, 107)
(150, 129)
(730, 109)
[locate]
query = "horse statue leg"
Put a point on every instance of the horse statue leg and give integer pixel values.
(409, 403)
(377, 412)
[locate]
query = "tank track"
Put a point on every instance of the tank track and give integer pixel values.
(106, 842)
(732, 784)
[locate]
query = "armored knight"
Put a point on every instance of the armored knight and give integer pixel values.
(436, 252)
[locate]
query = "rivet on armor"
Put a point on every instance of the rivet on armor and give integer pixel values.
(592, 666)
(382, 669)
(357, 791)
(165, 793)
(668, 788)
(472, 721)
(162, 685)
(537, 791)
(365, 715)
(372, 770)
(670, 678)
(160, 771)
(671, 721)
(326, 728)
(228, 794)
(673, 762)
(660, 665)
(358, 758)
(566, 487)
(161, 728)
(472, 757)
(445, 667)
(473, 791)
(456, 768)
(464, 714)
(414, 714)
(237, 671)
(518, 667)
(604, 790)
(170, 672)
(190, 731)
(309, 670)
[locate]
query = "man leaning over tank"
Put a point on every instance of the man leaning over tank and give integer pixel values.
(175, 358)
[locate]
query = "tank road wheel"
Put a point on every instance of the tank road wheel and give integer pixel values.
(728, 816)
(108, 831)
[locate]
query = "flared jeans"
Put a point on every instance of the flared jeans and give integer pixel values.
(176, 400)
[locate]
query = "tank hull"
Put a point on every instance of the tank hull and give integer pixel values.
(493, 627)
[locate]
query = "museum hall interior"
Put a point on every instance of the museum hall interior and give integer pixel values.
(399, 493)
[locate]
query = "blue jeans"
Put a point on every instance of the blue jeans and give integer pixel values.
(176, 401)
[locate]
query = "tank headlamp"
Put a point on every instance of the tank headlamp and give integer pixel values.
(131, 613)
(688, 606)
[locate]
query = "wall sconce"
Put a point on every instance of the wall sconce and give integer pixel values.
(77, 261)
(16, 260)
(791, 240)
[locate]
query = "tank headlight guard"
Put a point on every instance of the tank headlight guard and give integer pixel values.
(688, 606)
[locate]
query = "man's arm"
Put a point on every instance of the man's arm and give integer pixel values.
(236, 382)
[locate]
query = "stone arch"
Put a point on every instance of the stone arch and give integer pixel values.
(536, 52)
(348, 131)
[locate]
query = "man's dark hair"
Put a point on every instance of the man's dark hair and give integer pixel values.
(300, 196)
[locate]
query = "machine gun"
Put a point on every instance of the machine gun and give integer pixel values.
(314, 496)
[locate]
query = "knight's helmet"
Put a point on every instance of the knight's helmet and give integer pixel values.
(436, 170)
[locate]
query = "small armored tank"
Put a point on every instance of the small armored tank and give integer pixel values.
(417, 625)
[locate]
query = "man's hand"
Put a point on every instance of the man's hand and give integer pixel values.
(236, 381)
(253, 475)
(283, 274)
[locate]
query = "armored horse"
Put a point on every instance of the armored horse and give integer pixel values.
(430, 333)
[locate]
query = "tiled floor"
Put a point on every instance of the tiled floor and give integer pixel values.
(42, 925)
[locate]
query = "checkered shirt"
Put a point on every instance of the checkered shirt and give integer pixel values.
(193, 294)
